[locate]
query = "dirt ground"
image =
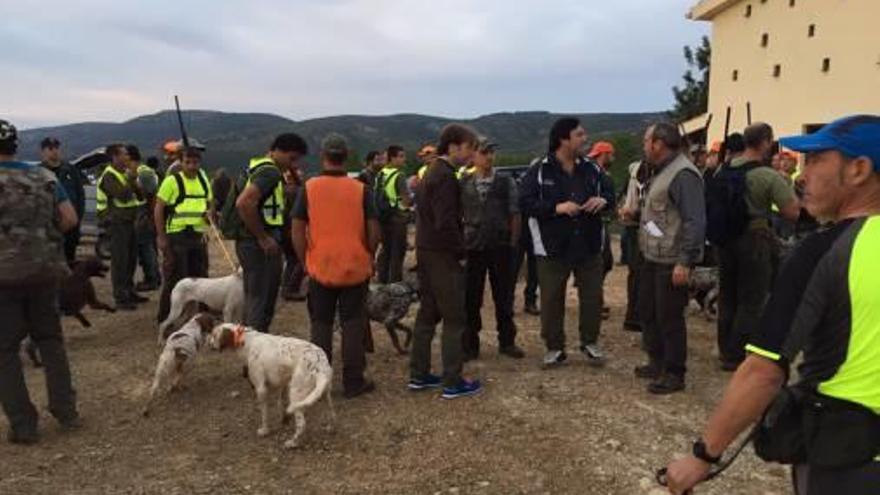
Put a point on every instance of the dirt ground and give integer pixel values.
(571, 430)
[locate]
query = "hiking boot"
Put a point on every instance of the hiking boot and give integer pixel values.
(594, 354)
(666, 384)
(465, 388)
(554, 358)
(23, 437)
(126, 306)
(146, 287)
(138, 299)
(513, 351)
(425, 382)
(366, 387)
(532, 309)
(70, 424)
(632, 326)
(648, 371)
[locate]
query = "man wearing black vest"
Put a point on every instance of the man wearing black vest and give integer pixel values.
(491, 230)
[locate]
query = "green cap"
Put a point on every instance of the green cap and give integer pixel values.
(334, 143)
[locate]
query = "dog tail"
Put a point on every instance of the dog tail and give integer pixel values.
(315, 364)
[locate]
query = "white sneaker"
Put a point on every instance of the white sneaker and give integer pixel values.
(594, 354)
(554, 358)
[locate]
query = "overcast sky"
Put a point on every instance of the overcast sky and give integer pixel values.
(100, 60)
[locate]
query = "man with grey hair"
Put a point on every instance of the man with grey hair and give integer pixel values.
(671, 237)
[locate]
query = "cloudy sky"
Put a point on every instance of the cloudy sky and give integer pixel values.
(101, 60)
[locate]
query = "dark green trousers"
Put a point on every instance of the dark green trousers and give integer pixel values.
(553, 277)
(123, 259)
(442, 294)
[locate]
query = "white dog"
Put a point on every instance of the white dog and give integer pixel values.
(223, 295)
(280, 364)
(178, 356)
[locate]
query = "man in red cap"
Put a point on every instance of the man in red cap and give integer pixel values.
(602, 153)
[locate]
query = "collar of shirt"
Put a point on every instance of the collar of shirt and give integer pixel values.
(334, 173)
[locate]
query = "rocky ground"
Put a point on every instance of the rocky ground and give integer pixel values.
(571, 430)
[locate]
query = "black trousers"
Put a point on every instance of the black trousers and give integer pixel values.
(526, 252)
(859, 480)
(497, 263)
(33, 311)
(745, 277)
(189, 257)
(393, 250)
(664, 332)
(262, 278)
(351, 301)
(634, 261)
(441, 290)
(71, 242)
(294, 273)
(123, 259)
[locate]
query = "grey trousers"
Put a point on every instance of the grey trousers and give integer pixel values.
(33, 311)
(442, 293)
(262, 278)
(553, 277)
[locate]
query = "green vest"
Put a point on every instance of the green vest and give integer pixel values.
(101, 200)
(272, 207)
(188, 210)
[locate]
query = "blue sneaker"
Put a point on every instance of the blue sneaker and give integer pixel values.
(426, 382)
(465, 388)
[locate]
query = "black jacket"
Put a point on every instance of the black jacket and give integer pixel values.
(74, 185)
(546, 185)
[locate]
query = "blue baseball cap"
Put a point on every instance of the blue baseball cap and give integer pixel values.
(854, 136)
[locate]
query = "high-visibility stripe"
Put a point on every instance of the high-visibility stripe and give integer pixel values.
(763, 352)
(858, 378)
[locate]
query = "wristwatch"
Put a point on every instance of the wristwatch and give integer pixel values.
(702, 454)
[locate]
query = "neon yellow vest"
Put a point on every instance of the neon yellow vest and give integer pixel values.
(273, 206)
(189, 212)
(101, 202)
(388, 176)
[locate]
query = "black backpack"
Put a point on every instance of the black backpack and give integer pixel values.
(384, 208)
(231, 225)
(727, 212)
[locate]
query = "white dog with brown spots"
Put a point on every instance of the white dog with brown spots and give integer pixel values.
(295, 369)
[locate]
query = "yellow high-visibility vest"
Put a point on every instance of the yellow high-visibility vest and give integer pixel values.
(101, 200)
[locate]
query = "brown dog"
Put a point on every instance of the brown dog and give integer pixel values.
(77, 291)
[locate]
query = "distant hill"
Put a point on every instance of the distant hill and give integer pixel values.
(232, 138)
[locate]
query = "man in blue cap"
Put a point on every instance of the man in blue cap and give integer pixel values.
(826, 304)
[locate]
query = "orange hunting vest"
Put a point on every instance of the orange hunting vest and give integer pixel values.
(336, 254)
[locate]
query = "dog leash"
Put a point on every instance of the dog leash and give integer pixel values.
(662, 480)
(219, 240)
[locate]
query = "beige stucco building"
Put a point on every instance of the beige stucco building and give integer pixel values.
(800, 63)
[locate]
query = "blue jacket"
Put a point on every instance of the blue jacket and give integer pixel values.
(546, 185)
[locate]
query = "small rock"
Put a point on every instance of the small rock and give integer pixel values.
(483, 484)
(58, 457)
(613, 444)
(234, 394)
(454, 489)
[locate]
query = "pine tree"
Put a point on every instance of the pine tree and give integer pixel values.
(692, 100)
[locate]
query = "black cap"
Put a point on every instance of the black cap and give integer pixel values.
(49, 142)
(8, 132)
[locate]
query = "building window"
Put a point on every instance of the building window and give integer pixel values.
(812, 31)
(826, 65)
(736, 75)
(748, 10)
(777, 70)
(765, 40)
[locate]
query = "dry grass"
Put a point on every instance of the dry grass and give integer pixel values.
(571, 430)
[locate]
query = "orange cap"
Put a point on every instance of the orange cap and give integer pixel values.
(716, 147)
(171, 146)
(601, 147)
(428, 149)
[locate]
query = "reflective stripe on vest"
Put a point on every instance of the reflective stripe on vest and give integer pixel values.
(101, 202)
(421, 172)
(272, 208)
(336, 254)
(388, 176)
(189, 213)
(856, 379)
